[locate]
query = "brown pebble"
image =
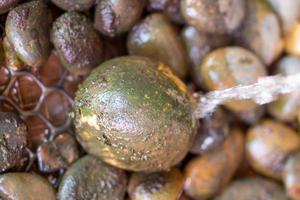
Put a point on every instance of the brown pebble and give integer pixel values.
(13, 140)
(57, 154)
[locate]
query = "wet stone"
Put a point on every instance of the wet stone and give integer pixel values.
(28, 29)
(56, 107)
(90, 178)
(212, 132)
(78, 5)
(13, 140)
(116, 17)
(156, 186)
(6, 5)
(58, 154)
(77, 43)
(25, 186)
(253, 188)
